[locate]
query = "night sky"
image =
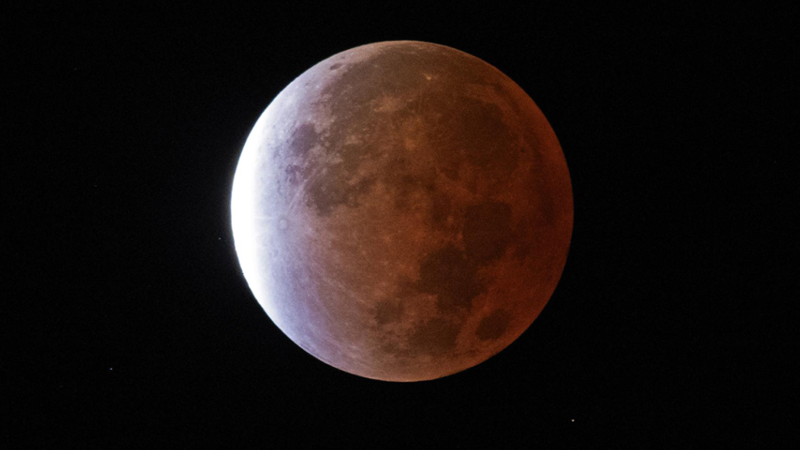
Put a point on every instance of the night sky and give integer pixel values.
(126, 320)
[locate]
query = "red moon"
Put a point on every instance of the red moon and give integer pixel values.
(402, 211)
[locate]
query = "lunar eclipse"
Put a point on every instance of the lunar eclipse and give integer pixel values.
(402, 211)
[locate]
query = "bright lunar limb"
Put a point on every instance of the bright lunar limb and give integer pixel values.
(402, 211)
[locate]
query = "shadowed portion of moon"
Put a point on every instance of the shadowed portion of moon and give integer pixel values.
(402, 211)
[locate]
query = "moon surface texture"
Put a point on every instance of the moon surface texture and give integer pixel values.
(402, 211)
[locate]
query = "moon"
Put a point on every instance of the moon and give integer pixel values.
(402, 211)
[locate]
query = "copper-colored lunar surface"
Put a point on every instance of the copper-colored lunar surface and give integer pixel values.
(402, 211)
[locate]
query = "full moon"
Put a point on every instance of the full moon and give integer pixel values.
(402, 211)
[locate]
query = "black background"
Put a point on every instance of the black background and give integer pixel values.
(128, 322)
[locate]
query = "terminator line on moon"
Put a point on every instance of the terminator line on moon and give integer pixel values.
(402, 211)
